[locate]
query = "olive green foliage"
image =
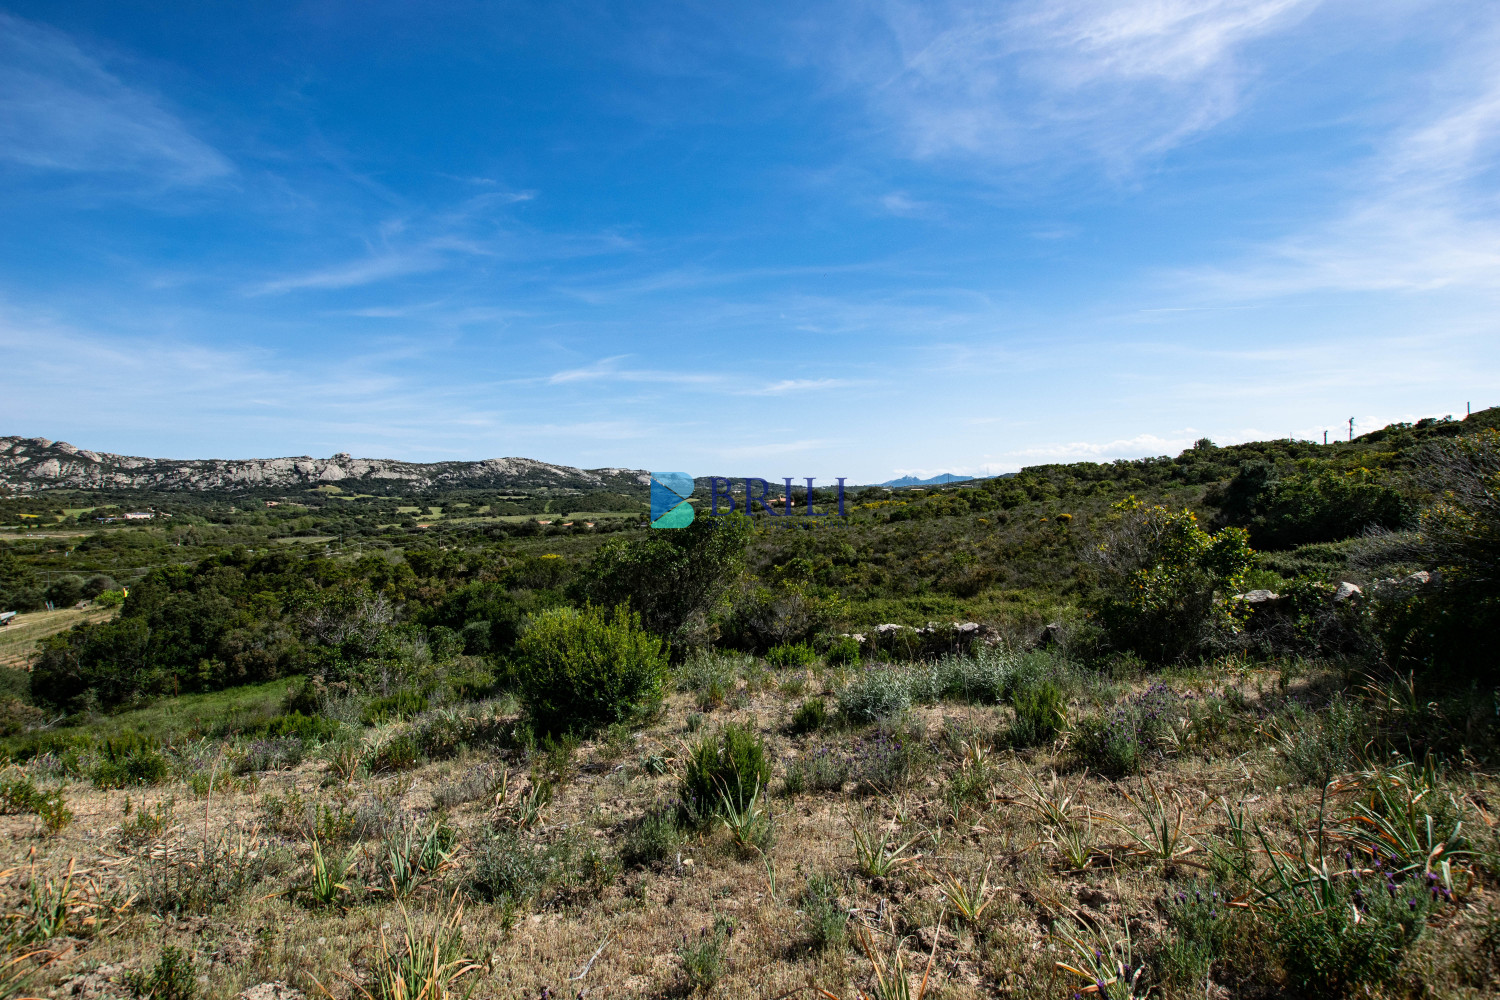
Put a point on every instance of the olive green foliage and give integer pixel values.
(19, 795)
(729, 764)
(1040, 714)
(810, 716)
(791, 655)
(1165, 584)
(672, 579)
(129, 759)
(1310, 505)
(1448, 627)
(577, 671)
(842, 651)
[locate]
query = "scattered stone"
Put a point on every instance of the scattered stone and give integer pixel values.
(99, 984)
(1258, 596)
(1346, 590)
(272, 991)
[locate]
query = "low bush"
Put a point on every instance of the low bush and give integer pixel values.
(275, 753)
(1120, 742)
(810, 716)
(1360, 941)
(650, 840)
(1314, 748)
(513, 870)
(792, 655)
(1107, 745)
(822, 770)
(730, 764)
(1039, 714)
(20, 796)
(401, 705)
(877, 693)
(129, 759)
(710, 676)
(703, 958)
(889, 759)
(582, 670)
(1201, 930)
(307, 728)
(842, 651)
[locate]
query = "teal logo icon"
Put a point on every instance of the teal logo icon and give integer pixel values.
(669, 499)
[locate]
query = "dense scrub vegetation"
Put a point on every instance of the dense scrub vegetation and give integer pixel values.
(1216, 723)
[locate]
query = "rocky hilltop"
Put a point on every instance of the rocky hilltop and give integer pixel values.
(28, 464)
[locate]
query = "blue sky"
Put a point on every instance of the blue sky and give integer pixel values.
(804, 239)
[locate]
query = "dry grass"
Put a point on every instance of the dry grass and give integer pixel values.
(19, 638)
(992, 907)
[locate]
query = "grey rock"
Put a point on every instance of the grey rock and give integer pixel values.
(29, 464)
(1346, 590)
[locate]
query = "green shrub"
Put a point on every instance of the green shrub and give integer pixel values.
(703, 958)
(1107, 745)
(307, 728)
(401, 705)
(877, 693)
(129, 759)
(1039, 714)
(1360, 941)
(1202, 929)
(729, 764)
(822, 770)
(20, 796)
(786, 655)
(173, 977)
(582, 670)
(810, 716)
(842, 651)
(110, 599)
(651, 839)
(1165, 584)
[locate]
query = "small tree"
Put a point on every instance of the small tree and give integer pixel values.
(1165, 583)
(1448, 627)
(580, 670)
(673, 579)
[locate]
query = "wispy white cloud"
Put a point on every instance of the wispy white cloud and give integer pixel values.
(1024, 82)
(903, 205)
(789, 385)
(610, 369)
(61, 109)
(367, 271)
(1422, 214)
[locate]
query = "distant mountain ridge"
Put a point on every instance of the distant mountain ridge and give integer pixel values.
(28, 464)
(939, 480)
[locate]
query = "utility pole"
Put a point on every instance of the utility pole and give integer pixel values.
(1325, 437)
(1351, 430)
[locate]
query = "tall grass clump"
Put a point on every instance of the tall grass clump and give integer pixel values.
(728, 766)
(583, 670)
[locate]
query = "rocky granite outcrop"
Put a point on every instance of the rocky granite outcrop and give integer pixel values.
(28, 464)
